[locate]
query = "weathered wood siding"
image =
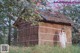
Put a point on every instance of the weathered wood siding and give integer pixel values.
(47, 33)
(43, 34)
(27, 35)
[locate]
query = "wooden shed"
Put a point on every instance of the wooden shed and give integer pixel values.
(46, 30)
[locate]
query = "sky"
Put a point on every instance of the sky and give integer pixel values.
(58, 5)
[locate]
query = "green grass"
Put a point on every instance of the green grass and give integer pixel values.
(44, 49)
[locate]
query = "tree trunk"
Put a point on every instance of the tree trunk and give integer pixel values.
(15, 36)
(9, 34)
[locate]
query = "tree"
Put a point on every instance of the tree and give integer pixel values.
(10, 10)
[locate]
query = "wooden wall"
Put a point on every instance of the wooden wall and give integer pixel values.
(43, 34)
(47, 33)
(27, 35)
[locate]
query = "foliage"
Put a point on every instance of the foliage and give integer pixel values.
(10, 10)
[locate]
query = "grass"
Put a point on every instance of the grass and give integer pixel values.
(44, 49)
